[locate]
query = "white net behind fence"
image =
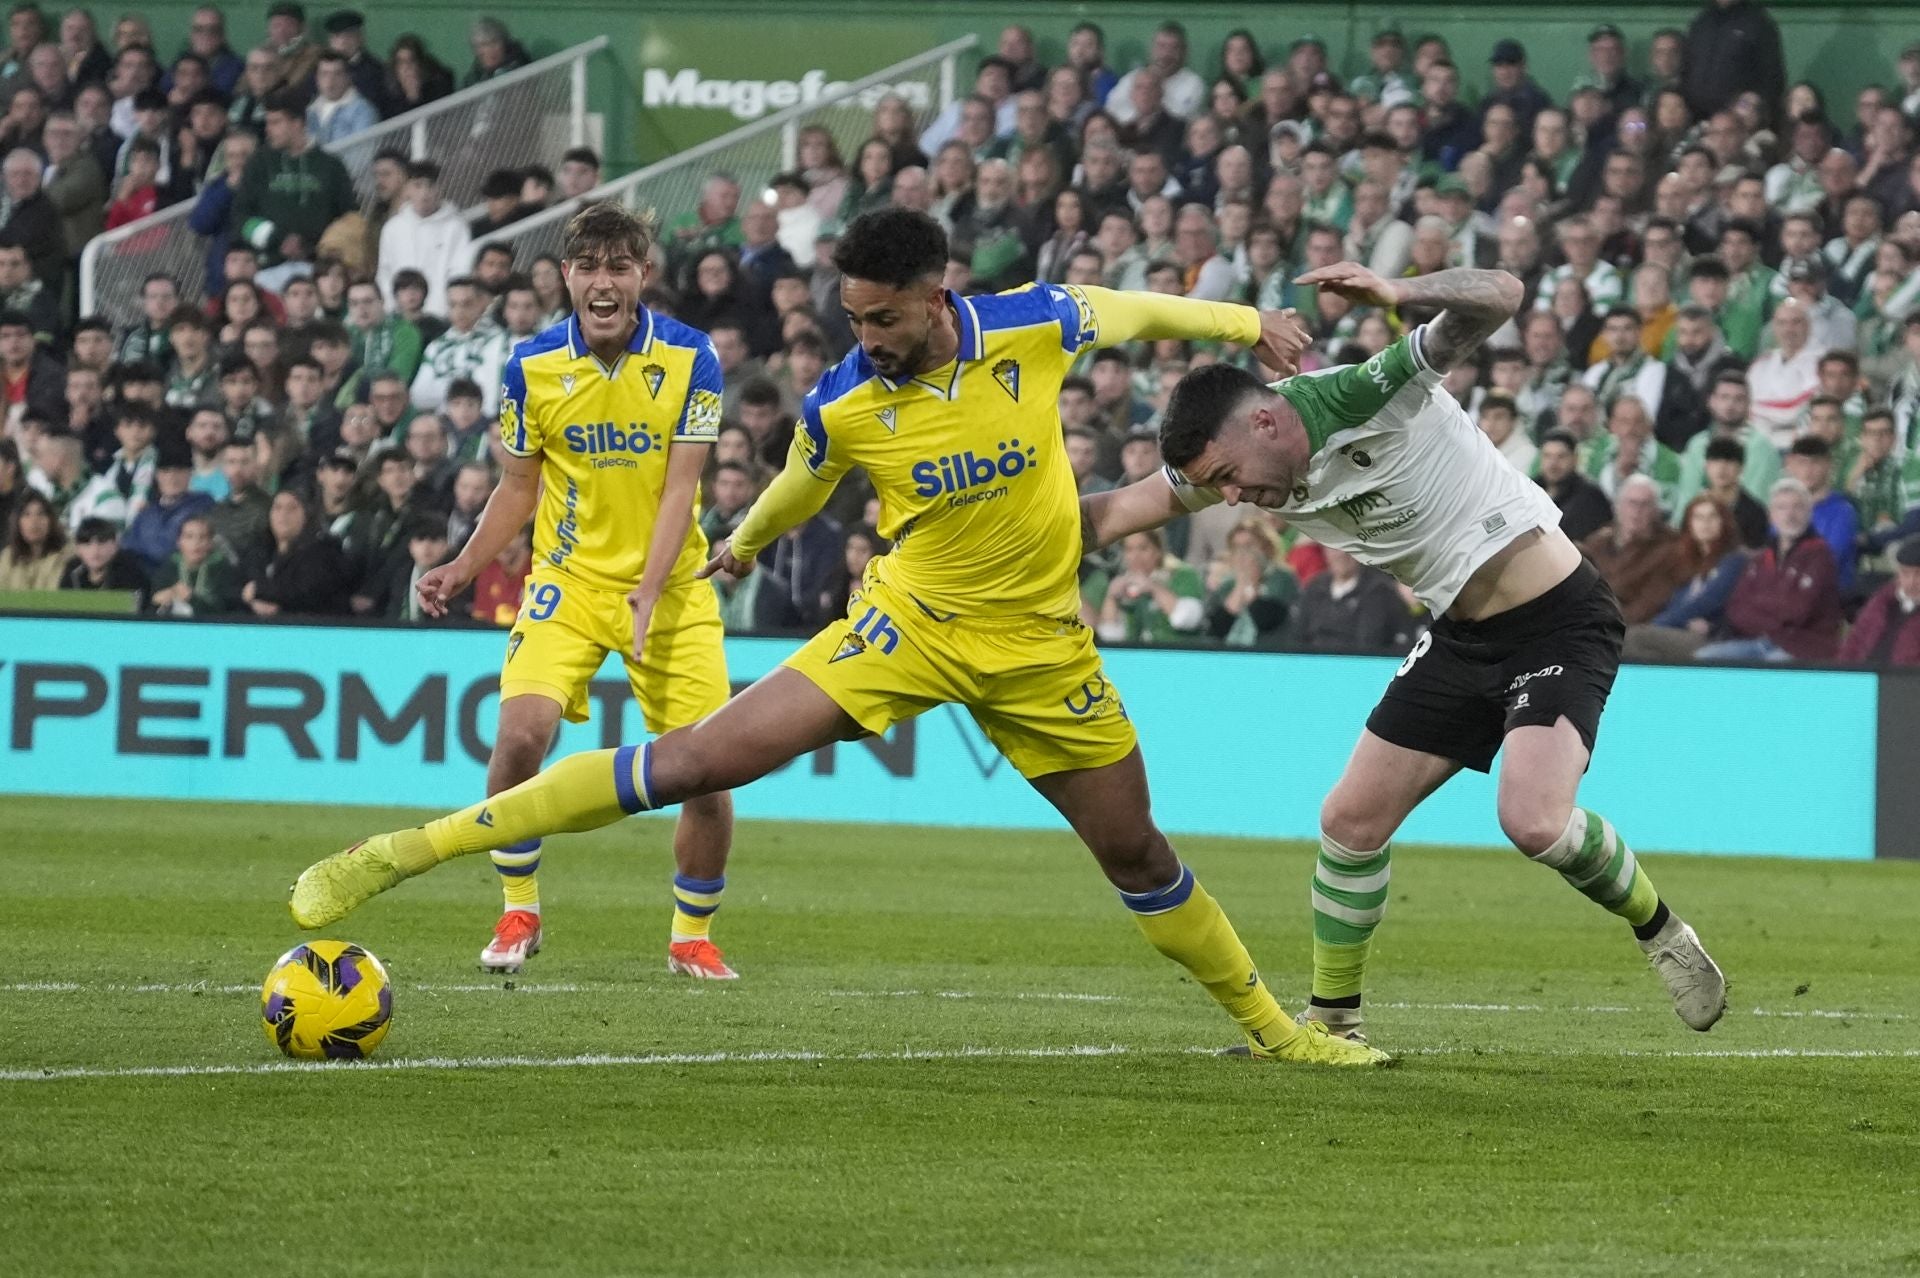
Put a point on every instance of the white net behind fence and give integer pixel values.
(754, 153)
(529, 116)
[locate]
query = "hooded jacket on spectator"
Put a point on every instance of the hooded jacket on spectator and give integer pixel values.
(439, 246)
(1793, 600)
(282, 194)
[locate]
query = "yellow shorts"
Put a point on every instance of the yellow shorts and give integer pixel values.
(565, 631)
(1035, 685)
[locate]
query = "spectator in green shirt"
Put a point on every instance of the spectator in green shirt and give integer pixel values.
(1155, 598)
(714, 223)
(1709, 285)
(381, 342)
(201, 579)
(1882, 486)
(292, 190)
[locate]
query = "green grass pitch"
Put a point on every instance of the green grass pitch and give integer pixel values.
(951, 1053)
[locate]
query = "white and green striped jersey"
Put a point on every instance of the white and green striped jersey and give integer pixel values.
(1399, 477)
(1605, 286)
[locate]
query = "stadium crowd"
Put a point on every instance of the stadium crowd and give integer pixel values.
(1715, 375)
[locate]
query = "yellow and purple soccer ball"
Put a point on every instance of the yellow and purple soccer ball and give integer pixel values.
(327, 1000)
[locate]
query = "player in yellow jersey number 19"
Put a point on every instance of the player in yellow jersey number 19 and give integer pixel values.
(949, 405)
(606, 419)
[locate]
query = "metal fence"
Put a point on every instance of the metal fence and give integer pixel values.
(523, 117)
(755, 152)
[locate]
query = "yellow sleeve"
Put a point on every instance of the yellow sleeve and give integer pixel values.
(1122, 317)
(794, 496)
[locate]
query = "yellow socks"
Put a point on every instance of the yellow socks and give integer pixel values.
(694, 903)
(1189, 927)
(518, 865)
(580, 792)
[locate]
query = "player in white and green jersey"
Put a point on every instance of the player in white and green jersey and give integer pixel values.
(1379, 460)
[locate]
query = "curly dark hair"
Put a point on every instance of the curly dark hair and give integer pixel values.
(1199, 406)
(896, 247)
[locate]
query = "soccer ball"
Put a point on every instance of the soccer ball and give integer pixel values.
(326, 1000)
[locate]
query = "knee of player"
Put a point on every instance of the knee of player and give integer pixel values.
(1534, 825)
(517, 755)
(1140, 853)
(682, 770)
(1353, 824)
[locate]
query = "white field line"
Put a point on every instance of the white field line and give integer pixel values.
(594, 1060)
(610, 1061)
(637, 990)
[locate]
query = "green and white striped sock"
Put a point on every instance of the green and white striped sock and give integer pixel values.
(1596, 862)
(1349, 899)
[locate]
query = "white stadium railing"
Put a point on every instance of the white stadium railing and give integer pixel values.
(524, 117)
(753, 153)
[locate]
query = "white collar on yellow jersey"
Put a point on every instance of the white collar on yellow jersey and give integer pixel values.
(639, 344)
(973, 346)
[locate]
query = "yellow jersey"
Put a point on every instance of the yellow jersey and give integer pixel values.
(602, 435)
(969, 460)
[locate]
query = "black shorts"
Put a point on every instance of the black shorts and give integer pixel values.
(1466, 684)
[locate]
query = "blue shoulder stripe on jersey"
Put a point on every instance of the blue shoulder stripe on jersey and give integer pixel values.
(973, 343)
(851, 373)
(1029, 307)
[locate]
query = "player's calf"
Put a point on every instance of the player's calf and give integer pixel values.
(1349, 896)
(1596, 862)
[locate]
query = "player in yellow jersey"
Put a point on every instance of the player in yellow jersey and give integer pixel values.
(949, 403)
(607, 419)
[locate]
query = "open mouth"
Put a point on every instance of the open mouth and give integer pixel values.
(604, 308)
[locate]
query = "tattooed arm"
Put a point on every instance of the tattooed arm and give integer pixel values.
(1472, 303)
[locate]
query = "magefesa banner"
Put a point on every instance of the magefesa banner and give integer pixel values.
(699, 79)
(1236, 743)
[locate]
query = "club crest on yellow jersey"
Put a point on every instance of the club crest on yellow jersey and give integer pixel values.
(656, 377)
(1007, 373)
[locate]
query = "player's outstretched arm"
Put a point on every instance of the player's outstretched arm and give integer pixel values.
(506, 513)
(1473, 303)
(1120, 512)
(1276, 337)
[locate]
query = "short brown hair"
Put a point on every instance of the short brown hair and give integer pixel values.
(605, 225)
